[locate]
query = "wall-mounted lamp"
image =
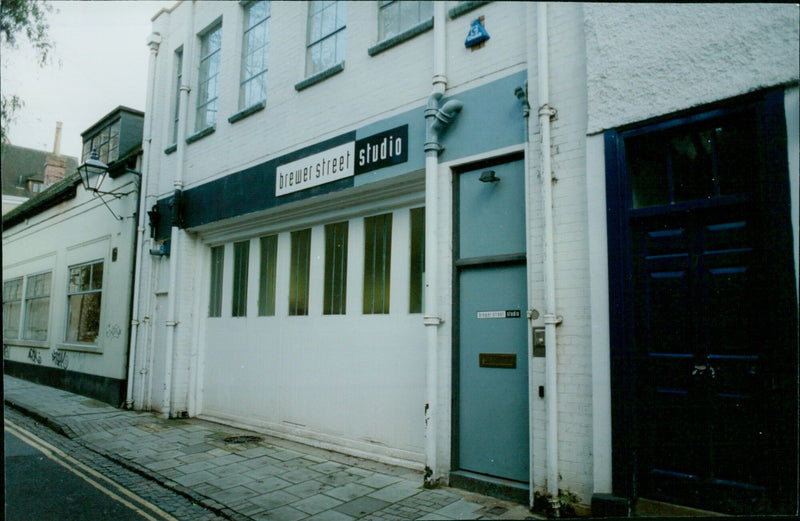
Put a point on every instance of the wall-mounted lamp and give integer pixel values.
(93, 172)
(487, 176)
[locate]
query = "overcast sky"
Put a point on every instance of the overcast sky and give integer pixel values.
(99, 62)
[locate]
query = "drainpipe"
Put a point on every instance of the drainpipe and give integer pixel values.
(175, 232)
(153, 42)
(551, 320)
(437, 118)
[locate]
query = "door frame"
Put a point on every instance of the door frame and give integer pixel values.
(774, 198)
(456, 268)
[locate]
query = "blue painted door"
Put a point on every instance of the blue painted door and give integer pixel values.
(704, 328)
(492, 377)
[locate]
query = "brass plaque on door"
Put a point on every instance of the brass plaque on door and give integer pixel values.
(501, 360)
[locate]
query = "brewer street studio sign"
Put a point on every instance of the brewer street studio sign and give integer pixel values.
(342, 161)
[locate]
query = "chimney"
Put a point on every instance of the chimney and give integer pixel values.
(56, 166)
(57, 140)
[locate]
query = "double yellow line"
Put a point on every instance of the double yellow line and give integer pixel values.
(91, 476)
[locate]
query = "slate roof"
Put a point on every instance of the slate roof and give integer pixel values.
(20, 164)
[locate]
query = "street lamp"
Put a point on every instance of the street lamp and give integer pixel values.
(93, 172)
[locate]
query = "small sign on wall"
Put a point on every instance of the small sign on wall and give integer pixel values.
(508, 313)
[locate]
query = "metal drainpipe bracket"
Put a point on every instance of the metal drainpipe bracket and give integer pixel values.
(547, 110)
(552, 319)
(432, 321)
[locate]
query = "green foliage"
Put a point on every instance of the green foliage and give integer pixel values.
(23, 20)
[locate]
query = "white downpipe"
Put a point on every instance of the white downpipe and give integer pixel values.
(530, 25)
(175, 232)
(432, 318)
(153, 42)
(551, 320)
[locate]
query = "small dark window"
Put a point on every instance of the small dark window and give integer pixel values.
(416, 293)
(241, 263)
(299, 272)
(377, 263)
(215, 290)
(708, 159)
(269, 264)
(335, 269)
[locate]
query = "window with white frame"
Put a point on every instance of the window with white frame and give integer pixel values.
(37, 306)
(326, 36)
(84, 294)
(12, 307)
(176, 101)
(255, 55)
(396, 16)
(210, 46)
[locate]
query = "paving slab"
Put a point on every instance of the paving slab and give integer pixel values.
(245, 475)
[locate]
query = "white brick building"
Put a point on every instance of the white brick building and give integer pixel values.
(357, 243)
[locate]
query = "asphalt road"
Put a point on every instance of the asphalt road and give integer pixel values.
(49, 477)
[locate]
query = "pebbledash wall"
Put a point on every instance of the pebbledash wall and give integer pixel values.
(357, 382)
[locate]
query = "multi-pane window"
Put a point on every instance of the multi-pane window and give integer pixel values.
(210, 45)
(416, 290)
(105, 142)
(83, 296)
(377, 263)
(241, 263)
(326, 35)
(394, 17)
(12, 307)
(711, 158)
(335, 269)
(215, 290)
(299, 272)
(266, 286)
(37, 306)
(255, 56)
(177, 93)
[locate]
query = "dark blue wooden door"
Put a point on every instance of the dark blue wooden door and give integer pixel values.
(704, 315)
(698, 355)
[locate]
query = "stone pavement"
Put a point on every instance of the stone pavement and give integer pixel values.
(245, 475)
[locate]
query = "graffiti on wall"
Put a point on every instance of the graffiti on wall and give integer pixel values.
(60, 359)
(34, 356)
(113, 331)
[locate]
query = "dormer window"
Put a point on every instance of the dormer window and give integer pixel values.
(105, 141)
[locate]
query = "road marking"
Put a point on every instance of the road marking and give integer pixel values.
(60, 457)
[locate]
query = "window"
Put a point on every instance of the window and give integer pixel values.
(377, 263)
(37, 306)
(711, 158)
(105, 142)
(177, 93)
(394, 17)
(298, 277)
(241, 262)
(266, 287)
(416, 293)
(255, 58)
(335, 269)
(326, 37)
(83, 296)
(12, 307)
(215, 291)
(210, 45)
